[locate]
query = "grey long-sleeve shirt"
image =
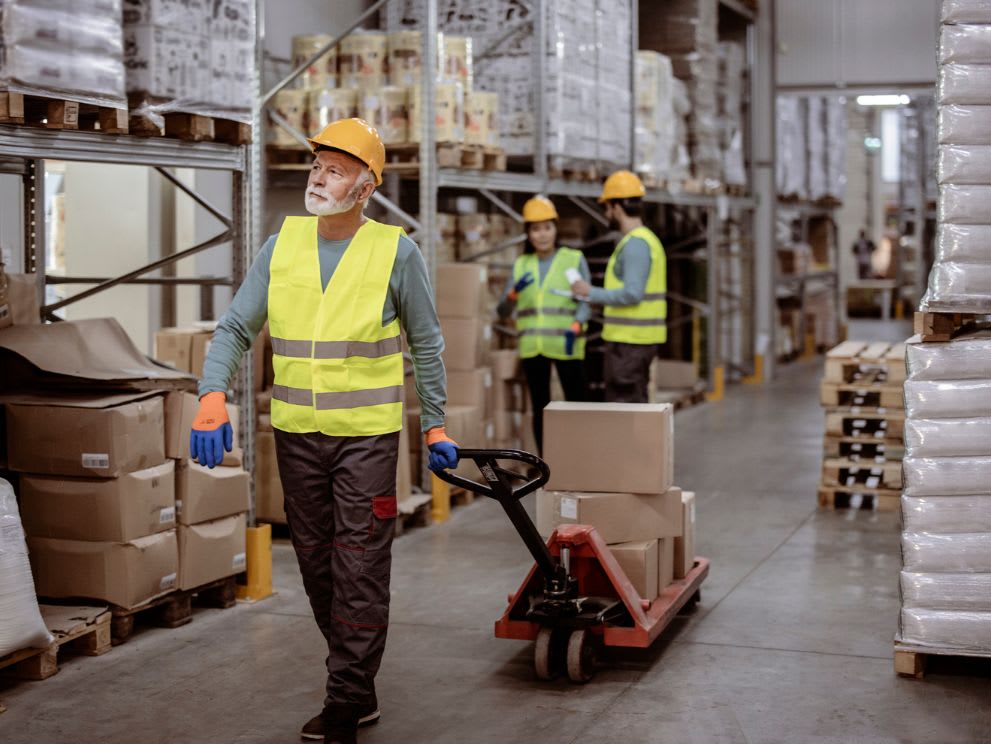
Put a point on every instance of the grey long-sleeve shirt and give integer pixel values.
(583, 311)
(633, 267)
(409, 298)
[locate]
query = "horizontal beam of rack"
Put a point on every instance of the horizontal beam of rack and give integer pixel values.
(29, 142)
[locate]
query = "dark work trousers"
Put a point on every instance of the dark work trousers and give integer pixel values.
(537, 369)
(627, 371)
(341, 508)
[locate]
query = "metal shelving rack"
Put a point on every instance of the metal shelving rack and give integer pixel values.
(498, 187)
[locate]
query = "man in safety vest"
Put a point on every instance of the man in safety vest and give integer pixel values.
(336, 289)
(634, 295)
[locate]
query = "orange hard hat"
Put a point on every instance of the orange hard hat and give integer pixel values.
(357, 138)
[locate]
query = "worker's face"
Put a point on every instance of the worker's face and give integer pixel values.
(335, 184)
(611, 215)
(543, 235)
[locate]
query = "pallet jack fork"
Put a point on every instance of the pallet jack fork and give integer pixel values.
(576, 597)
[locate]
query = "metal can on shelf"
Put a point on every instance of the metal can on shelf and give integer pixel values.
(290, 104)
(361, 61)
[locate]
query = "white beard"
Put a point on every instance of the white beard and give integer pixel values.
(330, 206)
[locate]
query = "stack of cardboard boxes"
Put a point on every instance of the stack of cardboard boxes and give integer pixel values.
(184, 348)
(511, 400)
(612, 466)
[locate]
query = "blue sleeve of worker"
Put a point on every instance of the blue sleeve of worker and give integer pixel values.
(584, 311)
(238, 327)
(633, 267)
(506, 306)
(414, 300)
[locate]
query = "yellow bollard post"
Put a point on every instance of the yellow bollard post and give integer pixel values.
(259, 564)
(441, 492)
(899, 309)
(810, 345)
(718, 385)
(758, 376)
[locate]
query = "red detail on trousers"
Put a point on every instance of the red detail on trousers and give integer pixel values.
(385, 507)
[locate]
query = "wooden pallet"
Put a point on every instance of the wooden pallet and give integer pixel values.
(60, 113)
(681, 397)
(173, 610)
(83, 631)
(863, 449)
(405, 159)
(837, 472)
(587, 173)
(852, 361)
(867, 392)
(911, 661)
(414, 511)
(866, 424)
(841, 497)
(194, 128)
(934, 326)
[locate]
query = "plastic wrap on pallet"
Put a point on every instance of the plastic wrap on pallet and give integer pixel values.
(969, 592)
(948, 437)
(963, 243)
(964, 44)
(21, 626)
(964, 125)
(966, 357)
(947, 398)
(966, 11)
(964, 631)
(791, 155)
(965, 205)
(197, 59)
(964, 84)
(655, 115)
(815, 144)
(966, 552)
(946, 515)
(836, 147)
(947, 476)
(960, 285)
(964, 164)
(729, 97)
(63, 50)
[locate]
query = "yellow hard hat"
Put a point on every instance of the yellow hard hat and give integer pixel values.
(539, 209)
(356, 137)
(622, 185)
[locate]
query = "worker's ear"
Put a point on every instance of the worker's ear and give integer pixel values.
(366, 190)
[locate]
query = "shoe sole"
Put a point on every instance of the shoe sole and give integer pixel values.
(370, 720)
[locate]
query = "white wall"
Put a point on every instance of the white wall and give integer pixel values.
(287, 18)
(867, 43)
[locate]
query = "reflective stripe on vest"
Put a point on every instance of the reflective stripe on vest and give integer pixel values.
(543, 317)
(337, 369)
(646, 322)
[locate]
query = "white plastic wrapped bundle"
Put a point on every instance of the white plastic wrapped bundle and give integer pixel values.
(655, 117)
(791, 154)
(947, 515)
(947, 476)
(965, 552)
(966, 11)
(967, 357)
(21, 625)
(815, 143)
(967, 84)
(836, 146)
(961, 286)
(965, 631)
(963, 243)
(964, 164)
(949, 437)
(947, 398)
(966, 44)
(965, 205)
(968, 592)
(964, 125)
(63, 50)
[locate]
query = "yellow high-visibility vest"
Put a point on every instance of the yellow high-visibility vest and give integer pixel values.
(338, 370)
(646, 322)
(542, 316)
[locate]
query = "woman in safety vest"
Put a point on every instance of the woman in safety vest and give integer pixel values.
(551, 323)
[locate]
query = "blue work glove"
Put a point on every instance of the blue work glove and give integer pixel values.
(524, 281)
(443, 450)
(570, 336)
(211, 432)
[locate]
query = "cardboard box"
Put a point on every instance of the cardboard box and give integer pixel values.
(127, 574)
(203, 494)
(87, 437)
(639, 561)
(180, 411)
(269, 498)
(618, 517)
(684, 545)
(183, 348)
(22, 299)
(263, 401)
(466, 343)
(265, 422)
(211, 551)
(505, 364)
(114, 510)
(665, 565)
(668, 374)
(199, 346)
(471, 388)
(635, 439)
(462, 290)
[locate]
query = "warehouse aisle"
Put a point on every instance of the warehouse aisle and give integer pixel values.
(791, 643)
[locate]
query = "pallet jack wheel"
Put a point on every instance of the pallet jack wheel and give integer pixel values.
(581, 656)
(547, 654)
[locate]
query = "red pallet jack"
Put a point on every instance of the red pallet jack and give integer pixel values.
(576, 598)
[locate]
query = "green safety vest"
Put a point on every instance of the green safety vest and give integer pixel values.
(646, 322)
(542, 316)
(338, 370)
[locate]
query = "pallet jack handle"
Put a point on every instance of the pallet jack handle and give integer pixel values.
(499, 486)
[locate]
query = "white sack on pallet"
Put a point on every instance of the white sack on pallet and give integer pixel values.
(964, 164)
(963, 286)
(836, 147)
(966, 44)
(969, 592)
(967, 84)
(966, 11)
(947, 476)
(964, 125)
(966, 631)
(21, 625)
(948, 437)
(815, 144)
(947, 399)
(965, 205)
(967, 357)
(790, 165)
(947, 515)
(963, 243)
(965, 552)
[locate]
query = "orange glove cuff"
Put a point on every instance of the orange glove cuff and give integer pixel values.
(513, 295)
(212, 413)
(438, 434)
(576, 327)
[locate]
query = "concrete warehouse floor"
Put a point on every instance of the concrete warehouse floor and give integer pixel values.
(791, 643)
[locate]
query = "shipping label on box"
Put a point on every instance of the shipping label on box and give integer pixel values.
(617, 517)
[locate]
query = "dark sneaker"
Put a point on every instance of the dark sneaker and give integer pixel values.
(340, 722)
(313, 730)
